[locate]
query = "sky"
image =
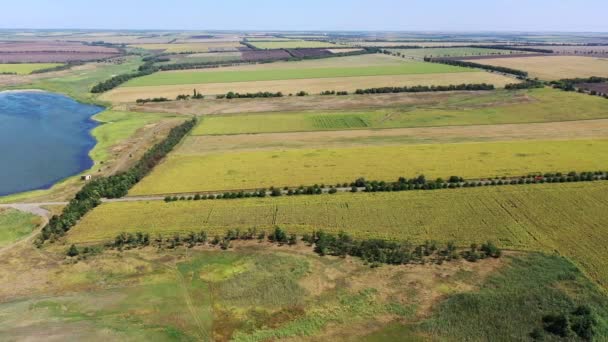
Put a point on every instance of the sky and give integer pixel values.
(321, 15)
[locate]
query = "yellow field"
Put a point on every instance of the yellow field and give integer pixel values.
(567, 218)
(554, 67)
(26, 68)
(313, 86)
(258, 169)
(191, 47)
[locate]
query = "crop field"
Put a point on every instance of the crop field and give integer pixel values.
(493, 108)
(47, 52)
(221, 76)
(182, 173)
(291, 44)
(409, 43)
(15, 225)
(584, 129)
(25, 68)
(452, 52)
(555, 67)
(312, 86)
(534, 217)
(574, 49)
(206, 57)
(191, 47)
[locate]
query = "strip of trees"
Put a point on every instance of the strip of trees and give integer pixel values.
(375, 252)
(465, 64)
(422, 89)
(146, 69)
(527, 84)
(114, 186)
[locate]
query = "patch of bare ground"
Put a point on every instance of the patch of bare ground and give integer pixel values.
(316, 102)
(569, 130)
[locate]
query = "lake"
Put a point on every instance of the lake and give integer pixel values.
(44, 138)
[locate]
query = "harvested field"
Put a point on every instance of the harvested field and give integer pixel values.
(183, 173)
(600, 88)
(47, 52)
(571, 130)
(291, 44)
(25, 68)
(254, 55)
(191, 47)
(345, 50)
(555, 67)
(529, 217)
(515, 55)
(574, 49)
(306, 53)
(206, 57)
(409, 43)
(317, 102)
(313, 86)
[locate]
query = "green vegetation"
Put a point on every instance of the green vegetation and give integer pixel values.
(535, 217)
(451, 52)
(502, 107)
(15, 225)
(25, 68)
(253, 169)
(215, 76)
(529, 290)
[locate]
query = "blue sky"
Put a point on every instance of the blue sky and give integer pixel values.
(398, 15)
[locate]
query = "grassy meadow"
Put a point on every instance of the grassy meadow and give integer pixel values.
(503, 107)
(180, 77)
(15, 225)
(26, 68)
(183, 173)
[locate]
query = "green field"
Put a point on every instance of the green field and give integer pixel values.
(452, 52)
(182, 173)
(204, 77)
(291, 44)
(26, 68)
(500, 107)
(568, 218)
(15, 225)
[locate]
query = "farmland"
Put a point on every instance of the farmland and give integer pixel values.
(492, 108)
(191, 47)
(204, 77)
(15, 225)
(25, 68)
(291, 44)
(555, 67)
(182, 173)
(451, 52)
(538, 217)
(49, 52)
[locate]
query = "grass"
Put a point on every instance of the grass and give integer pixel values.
(262, 169)
(452, 52)
(180, 77)
(502, 107)
(15, 225)
(26, 68)
(528, 289)
(117, 126)
(531, 217)
(291, 44)
(555, 67)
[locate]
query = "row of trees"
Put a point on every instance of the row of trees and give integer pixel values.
(581, 323)
(421, 88)
(465, 64)
(111, 187)
(155, 99)
(147, 68)
(373, 251)
(265, 94)
(527, 84)
(61, 67)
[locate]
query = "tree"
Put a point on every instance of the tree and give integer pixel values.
(73, 251)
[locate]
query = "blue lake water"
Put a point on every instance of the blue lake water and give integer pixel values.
(44, 138)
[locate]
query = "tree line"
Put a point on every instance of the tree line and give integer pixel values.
(146, 69)
(373, 251)
(571, 84)
(527, 84)
(465, 64)
(114, 186)
(421, 89)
